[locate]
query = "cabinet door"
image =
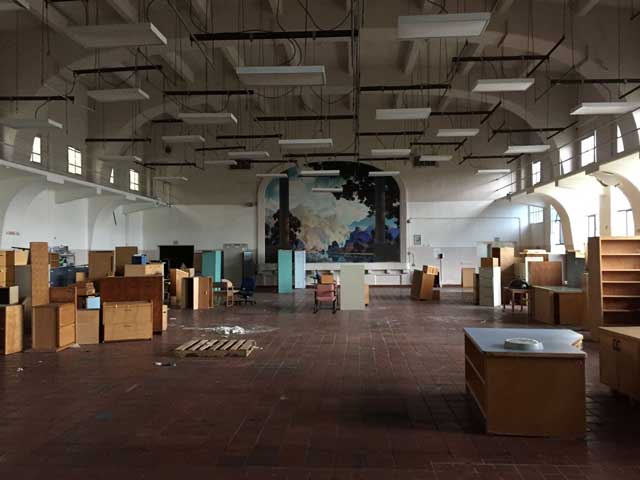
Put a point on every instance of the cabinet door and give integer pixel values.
(608, 361)
(629, 367)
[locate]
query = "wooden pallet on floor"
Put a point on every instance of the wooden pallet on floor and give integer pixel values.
(216, 347)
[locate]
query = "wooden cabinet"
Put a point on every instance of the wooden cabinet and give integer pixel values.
(123, 257)
(176, 287)
(197, 293)
(506, 259)
(53, 327)
(127, 321)
(11, 329)
(620, 359)
(422, 285)
(558, 305)
(489, 290)
(88, 327)
(101, 264)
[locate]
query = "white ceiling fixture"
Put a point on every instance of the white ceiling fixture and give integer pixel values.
(435, 158)
(272, 175)
(113, 95)
(496, 85)
(488, 171)
(415, 27)
(390, 152)
(30, 123)
(186, 139)
(525, 149)
(305, 143)
(282, 76)
(320, 173)
(262, 154)
(385, 173)
(458, 132)
(221, 163)
(171, 179)
(13, 5)
(117, 35)
(204, 118)
(402, 113)
(327, 190)
(120, 158)
(605, 108)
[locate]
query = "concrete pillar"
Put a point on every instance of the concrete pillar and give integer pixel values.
(606, 214)
(283, 219)
(606, 143)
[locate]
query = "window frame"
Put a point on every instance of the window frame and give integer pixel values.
(591, 152)
(134, 180)
(37, 154)
(536, 172)
(536, 215)
(74, 167)
(596, 228)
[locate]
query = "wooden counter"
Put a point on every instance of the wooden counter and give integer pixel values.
(558, 305)
(540, 393)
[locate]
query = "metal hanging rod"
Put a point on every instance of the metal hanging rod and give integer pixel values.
(488, 157)
(206, 93)
(171, 164)
(302, 118)
(499, 58)
(318, 155)
(547, 56)
(391, 88)
(36, 98)
(590, 81)
(553, 130)
(247, 137)
(387, 134)
(134, 68)
(299, 34)
(167, 120)
(113, 140)
(214, 149)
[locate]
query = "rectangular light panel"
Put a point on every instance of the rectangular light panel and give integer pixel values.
(487, 171)
(204, 118)
(117, 35)
(187, 139)
(414, 27)
(388, 173)
(605, 108)
(524, 149)
(496, 85)
(305, 143)
(113, 95)
(172, 179)
(27, 123)
(221, 163)
(458, 132)
(282, 76)
(390, 152)
(403, 113)
(248, 155)
(271, 175)
(435, 158)
(320, 173)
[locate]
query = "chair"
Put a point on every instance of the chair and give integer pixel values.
(224, 290)
(247, 290)
(325, 293)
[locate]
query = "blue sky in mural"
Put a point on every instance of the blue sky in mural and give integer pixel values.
(330, 227)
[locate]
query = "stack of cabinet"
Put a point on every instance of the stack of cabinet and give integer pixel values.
(490, 286)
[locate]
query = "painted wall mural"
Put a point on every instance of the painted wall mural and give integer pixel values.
(336, 227)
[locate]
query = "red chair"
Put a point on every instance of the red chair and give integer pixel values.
(325, 294)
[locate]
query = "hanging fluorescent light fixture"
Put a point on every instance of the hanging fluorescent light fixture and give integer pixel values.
(305, 143)
(435, 158)
(221, 163)
(117, 35)
(184, 139)
(248, 155)
(320, 173)
(390, 152)
(458, 132)
(120, 158)
(30, 123)
(385, 173)
(171, 179)
(488, 171)
(282, 76)
(272, 175)
(402, 113)
(497, 85)
(525, 149)
(416, 27)
(113, 95)
(205, 118)
(327, 190)
(13, 5)
(605, 108)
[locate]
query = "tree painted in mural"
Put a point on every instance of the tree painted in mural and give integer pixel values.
(336, 227)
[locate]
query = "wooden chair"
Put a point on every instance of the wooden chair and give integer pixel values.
(224, 291)
(325, 294)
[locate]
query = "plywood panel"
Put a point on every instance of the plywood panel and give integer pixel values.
(545, 274)
(100, 264)
(122, 257)
(545, 308)
(39, 255)
(352, 291)
(11, 329)
(132, 289)
(88, 327)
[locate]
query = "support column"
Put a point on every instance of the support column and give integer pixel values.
(283, 219)
(606, 215)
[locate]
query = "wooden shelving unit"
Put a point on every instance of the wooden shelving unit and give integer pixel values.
(614, 282)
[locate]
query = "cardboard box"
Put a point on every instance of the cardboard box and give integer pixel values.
(127, 321)
(165, 317)
(89, 303)
(430, 269)
(9, 295)
(11, 329)
(489, 262)
(88, 327)
(144, 270)
(326, 279)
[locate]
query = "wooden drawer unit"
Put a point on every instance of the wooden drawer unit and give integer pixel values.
(54, 327)
(134, 289)
(620, 359)
(11, 329)
(88, 327)
(127, 321)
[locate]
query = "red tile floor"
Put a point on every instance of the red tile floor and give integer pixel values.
(367, 395)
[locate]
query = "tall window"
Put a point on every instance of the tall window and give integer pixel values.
(112, 176)
(36, 150)
(536, 214)
(625, 220)
(593, 229)
(619, 141)
(557, 237)
(565, 159)
(74, 161)
(588, 150)
(134, 180)
(536, 172)
(622, 225)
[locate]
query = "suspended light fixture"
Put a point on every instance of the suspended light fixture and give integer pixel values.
(402, 113)
(320, 173)
(327, 190)
(221, 163)
(497, 85)
(113, 95)
(390, 152)
(117, 35)
(272, 175)
(526, 149)
(458, 132)
(416, 27)
(206, 118)
(605, 108)
(435, 158)
(384, 173)
(185, 139)
(487, 171)
(282, 76)
(248, 155)
(305, 143)
(30, 123)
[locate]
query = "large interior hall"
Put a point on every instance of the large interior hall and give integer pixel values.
(320, 239)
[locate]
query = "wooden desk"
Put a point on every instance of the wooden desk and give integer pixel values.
(559, 305)
(620, 359)
(539, 393)
(511, 294)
